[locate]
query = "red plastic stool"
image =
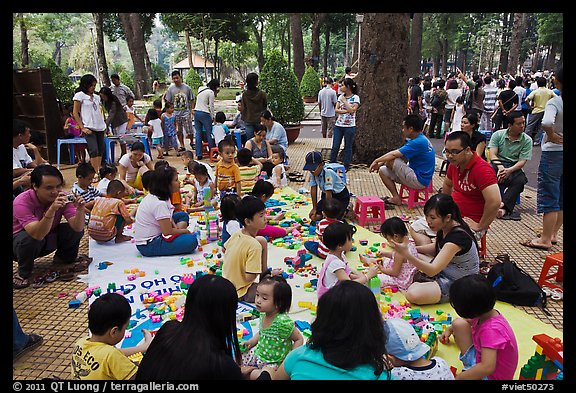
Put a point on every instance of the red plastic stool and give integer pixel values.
(413, 197)
(545, 277)
(205, 149)
(214, 154)
(376, 206)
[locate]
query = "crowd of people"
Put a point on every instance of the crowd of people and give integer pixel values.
(434, 260)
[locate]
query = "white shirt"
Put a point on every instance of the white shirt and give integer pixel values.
(218, 133)
(102, 186)
(205, 100)
(451, 99)
(521, 92)
(437, 370)
(151, 209)
(90, 112)
(156, 124)
(283, 181)
(327, 99)
(20, 157)
(330, 279)
(131, 172)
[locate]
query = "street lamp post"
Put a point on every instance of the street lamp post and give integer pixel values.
(359, 20)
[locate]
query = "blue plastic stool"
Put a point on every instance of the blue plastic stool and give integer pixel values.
(71, 142)
(238, 137)
(338, 168)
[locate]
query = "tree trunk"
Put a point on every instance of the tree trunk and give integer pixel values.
(445, 58)
(216, 63)
(436, 64)
(515, 42)
(297, 45)
(503, 63)
(100, 52)
(379, 117)
(258, 35)
(416, 45)
(136, 46)
(551, 61)
(315, 43)
(289, 42)
(24, 57)
(189, 51)
(326, 49)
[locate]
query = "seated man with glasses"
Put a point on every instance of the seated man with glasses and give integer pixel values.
(471, 182)
(412, 164)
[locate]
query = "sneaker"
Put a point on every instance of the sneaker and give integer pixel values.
(34, 341)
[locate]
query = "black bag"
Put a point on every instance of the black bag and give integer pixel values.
(513, 285)
(436, 101)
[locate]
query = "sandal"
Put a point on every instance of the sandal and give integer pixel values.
(80, 265)
(19, 282)
(38, 281)
(66, 275)
(51, 276)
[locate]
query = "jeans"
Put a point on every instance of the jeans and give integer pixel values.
(348, 134)
(203, 123)
(185, 243)
(19, 338)
(435, 123)
(550, 182)
(311, 247)
(180, 216)
(250, 127)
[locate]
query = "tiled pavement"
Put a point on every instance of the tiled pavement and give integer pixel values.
(41, 311)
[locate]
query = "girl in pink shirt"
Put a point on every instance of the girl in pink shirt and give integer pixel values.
(488, 348)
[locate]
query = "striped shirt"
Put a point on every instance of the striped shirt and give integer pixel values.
(490, 98)
(248, 177)
(89, 194)
(322, 249)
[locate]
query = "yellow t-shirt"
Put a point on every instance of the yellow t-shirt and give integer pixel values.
(100, 361)
(243, 255)
(540, 97)
(227, 175)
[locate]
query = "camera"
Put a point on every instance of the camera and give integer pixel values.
(71, 197)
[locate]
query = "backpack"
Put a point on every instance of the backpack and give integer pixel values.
(437, 101)
(513, 285)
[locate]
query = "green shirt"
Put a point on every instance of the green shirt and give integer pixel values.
(520, 149)
(274, 342)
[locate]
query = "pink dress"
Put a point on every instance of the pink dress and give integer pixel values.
(406, 276)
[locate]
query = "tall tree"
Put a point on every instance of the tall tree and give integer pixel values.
(131, 25)
(384, 64)
(102, 63)
(415, 44)
(297, 45)
(505, 41)
(258, 22)
(317, 22)
(24, 56)
(515, 42)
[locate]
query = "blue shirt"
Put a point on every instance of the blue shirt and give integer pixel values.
(421, 158)
(328, 180)
(279, 133)
(304, 363)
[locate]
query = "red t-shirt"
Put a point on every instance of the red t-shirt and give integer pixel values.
(468, 186)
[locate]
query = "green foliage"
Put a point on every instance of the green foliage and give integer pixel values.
(310, 83)
(158, 72)
(340, 72)
(193, 80)
(62, 84)
(279, 82)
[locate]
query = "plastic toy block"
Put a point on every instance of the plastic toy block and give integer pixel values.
(102, 265)
(363, 242)
(112, 286)
(74, 303)
(127, 334)
(131, 277)
(302, 325)
(551, 347)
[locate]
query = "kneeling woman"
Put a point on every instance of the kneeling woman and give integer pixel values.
(157, 231)
(453, 255)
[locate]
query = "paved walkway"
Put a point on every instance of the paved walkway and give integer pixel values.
(45, 310)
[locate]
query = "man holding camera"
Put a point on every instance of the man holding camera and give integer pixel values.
(37, 229)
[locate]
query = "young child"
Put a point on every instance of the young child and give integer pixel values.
(278, 178)
(188, 157)
(230, 224)
(201, 181)
(157, 134)
(249, 170)
(406, 352)
(277, 335)
(263, 189)
(246, 255)
(457, 115)
(83, 185)
(395, 270)
(227, 171)
(338, 238)
(131, 113)
(327, 181)
(169, 129)
(157, 106)
(71, 130)
(331, 209)
(110, 215)
(146, 180)
(96, 357)
(487, 343)
(219, 129)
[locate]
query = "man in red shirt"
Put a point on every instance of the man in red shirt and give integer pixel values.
(472, 184)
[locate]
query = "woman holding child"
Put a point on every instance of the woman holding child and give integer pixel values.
(453, 255)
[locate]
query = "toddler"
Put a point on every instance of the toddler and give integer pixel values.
(71, 130)
(157, 134)
(227, 171)
(131, 113)
(488, 348)
(332, 208)
(188, 160)
(109, 172)
(408, 354)
(229, 222)
(250, 169)
(202, 183)
(83, 186)
(169, 129)
(219, 129)
(109, 215)
(395, 270)
(278, 178)
(277, 335)
(457, 115)
(338, 238)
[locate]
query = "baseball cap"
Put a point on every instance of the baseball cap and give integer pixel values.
(313, 159)
(403, 342)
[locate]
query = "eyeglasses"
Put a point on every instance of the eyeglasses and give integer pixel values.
(453, 152)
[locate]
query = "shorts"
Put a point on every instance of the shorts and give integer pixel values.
(469, 359)
(184, 123)
(157, 141)
(401, 173)
(249, 359)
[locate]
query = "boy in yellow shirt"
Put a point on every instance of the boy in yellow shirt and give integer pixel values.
(227, 171)
(97, 357)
